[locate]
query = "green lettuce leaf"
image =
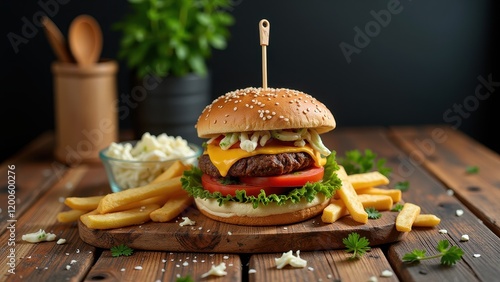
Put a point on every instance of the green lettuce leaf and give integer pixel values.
(191, 182)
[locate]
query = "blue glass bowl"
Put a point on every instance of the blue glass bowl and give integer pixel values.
(126, 174)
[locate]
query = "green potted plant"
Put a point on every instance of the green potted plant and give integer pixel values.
(166, 44)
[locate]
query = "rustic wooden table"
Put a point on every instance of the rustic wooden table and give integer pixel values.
(432, 158)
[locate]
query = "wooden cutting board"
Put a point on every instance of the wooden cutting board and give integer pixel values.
(208, 235)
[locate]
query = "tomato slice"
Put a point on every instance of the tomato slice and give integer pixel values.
(295, 179)
(212, 185)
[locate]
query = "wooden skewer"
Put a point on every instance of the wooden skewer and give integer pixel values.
(264, 27)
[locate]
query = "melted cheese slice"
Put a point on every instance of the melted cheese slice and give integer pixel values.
(224, 159)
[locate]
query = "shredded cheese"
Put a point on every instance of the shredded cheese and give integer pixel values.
(216, 270)
(39, 236)
(187, 221)
(289, 258)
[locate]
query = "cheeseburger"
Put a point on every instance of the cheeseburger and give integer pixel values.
(264, 162)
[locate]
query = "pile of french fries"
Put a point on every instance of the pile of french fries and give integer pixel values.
(359, 192)
(160, 201)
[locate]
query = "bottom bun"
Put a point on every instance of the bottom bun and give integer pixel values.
(271, 214)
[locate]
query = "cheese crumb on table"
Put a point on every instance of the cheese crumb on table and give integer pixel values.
(386, 273)
(289, 258)
(61, 241)
(216, 270)
(39, 236)
(187, 221)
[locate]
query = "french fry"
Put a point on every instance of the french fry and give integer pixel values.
(115, 201)
(176, 169)
(395, 194)
(350, 198)
(367, 179)
(135, 216)
(426, 220)
(160, 200)
(83, 203)
(172, 208)
(406, 217)
(337, 208)
(70, 215)
(379, 202)
(334, 211)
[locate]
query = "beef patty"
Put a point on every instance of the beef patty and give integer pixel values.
(260, 165)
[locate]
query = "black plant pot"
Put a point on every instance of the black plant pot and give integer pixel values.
(170, 105)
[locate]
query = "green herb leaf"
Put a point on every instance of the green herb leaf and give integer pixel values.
(472, 169)
(184, 279)
(397, 208)
(402, 185)
(356, 244)
(373, 213)
(414, 256)
(452, 255)
(357, 162)
(121, 250)
(449, 255)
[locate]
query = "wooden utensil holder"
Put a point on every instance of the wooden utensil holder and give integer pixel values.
(86, 118)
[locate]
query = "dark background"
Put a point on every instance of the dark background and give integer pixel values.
(418, 69)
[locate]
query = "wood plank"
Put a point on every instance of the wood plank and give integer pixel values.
(47, 261)
(35, 172)
(430, 194)
(447, 153)
(163, 266)
(322, 266)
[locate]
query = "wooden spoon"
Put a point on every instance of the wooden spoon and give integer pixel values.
(85, 40)
(57, 41)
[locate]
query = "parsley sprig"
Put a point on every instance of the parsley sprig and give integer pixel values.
(472, 169)
(449, 255)
(357, 162)
(356, 244)
(402, 185)
(121, 250)
(184, 279)
(397, 207)
(373, 213)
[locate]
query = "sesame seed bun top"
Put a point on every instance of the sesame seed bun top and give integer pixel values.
(256, 109)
